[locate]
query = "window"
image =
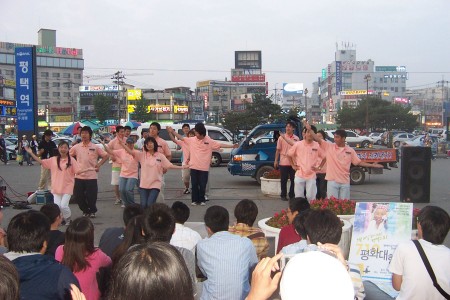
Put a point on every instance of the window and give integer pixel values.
(392, 89)
(44, 94)
(385, 80)
(9, 72)
(66, 94)
(55, 84)
(55, 75)
(66, 75)
(44, 84)
(77, 76)
(396, 89)
(217, 135)
(2, 58)
(56, 94)
(350, 134)
(44, 74)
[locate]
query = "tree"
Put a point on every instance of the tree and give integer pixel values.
(141, 113)
(102, 107)
(381, 114)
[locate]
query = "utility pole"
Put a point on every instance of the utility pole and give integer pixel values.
(118, 78)
(306, 104)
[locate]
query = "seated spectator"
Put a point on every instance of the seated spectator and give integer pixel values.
(224, 258)
(245, 213)
(132, 236)
(41, 276)
(151, 271)
(409, 275)
(299, 225)
(9, 280)
(159, 225)
(183, 236)
(3, 242)
(287, 234)
(56, 237)
(114, 236)
(79, 254)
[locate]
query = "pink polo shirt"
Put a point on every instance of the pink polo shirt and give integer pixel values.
(339, 160)
(129, 163)
(152, 167)
(62, 180)
(115, 145)
(87, 157)
(201, 152)
(305, 156)
(184, 148)
(163, 147)
(283, 147)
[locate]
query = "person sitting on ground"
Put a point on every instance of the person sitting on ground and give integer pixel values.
(299, 225)
(114, 236)
(41, 276)
(151, 271)
(9, 280)
(224, 258)
(79, 254)
(56, 237)
(159, 225)
(183, 236)
(409, 275)
(246, 212)
(287, 234)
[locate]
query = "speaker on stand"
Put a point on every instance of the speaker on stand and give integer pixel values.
(415, 175)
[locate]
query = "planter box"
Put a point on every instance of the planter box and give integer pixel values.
(344, 243)
(272, 187)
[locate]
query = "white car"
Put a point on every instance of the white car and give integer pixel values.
(376, 137)
(418, 141)
(353, 139)
(401, 137)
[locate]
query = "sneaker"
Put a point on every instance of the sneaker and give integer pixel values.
(118, 201)
(123, 206)
(203, 203)
(194, 203)
(206, 198)
(186, 191)
(92, 216)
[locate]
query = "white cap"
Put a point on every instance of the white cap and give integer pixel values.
(315, 275)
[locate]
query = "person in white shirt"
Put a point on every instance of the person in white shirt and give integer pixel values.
(140, 143)
(183, 236)
(409, 275)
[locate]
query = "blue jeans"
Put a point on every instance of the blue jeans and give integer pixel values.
(199, 179)
(126, 188)
(338, 190)
(148, 196)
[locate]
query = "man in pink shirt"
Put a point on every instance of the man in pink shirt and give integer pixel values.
(116, 165)
(339, 157)
(86, 188)
(200, 148)
(305, 156)
(163, 148)
(286, 170)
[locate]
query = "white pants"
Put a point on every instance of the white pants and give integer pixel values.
(338, 190)
(299, 188)
(62, 200)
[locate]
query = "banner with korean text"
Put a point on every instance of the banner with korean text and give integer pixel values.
(378, 228)
(26, 90)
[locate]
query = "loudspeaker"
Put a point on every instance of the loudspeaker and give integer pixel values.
(415, 175)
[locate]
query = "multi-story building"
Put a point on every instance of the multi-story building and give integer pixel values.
(346, 80)
(59, 74)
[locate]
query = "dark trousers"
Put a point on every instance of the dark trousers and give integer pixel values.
(321, 184)
(287, 172)
(85, 194)
(199, 179)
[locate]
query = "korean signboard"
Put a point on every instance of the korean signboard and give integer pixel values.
(134, 95)
(338, 77)
(292, 89)
(25, 89)
(249, 78)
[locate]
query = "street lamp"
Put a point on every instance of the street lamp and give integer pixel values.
(367, 78)
(306, 104)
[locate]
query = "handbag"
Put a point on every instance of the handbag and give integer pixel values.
(429, 269)
(19, 158)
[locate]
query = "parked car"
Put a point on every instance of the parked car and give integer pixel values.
(385, 134)
(10, 150)
(376, 137)
(418, 140)
(353, 139)
(401, 137)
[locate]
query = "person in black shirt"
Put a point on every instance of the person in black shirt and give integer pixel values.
(46, 149)
(56, 237)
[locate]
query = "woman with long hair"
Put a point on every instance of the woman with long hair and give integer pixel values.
(153, 165)
(132, 236)
(63, 169)
(151, 271)
(81, 257)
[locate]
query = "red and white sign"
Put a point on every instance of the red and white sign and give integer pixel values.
(249, 78)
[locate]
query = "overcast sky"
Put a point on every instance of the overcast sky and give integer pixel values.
(181, 42)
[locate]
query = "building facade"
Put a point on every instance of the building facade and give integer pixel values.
(59, 74)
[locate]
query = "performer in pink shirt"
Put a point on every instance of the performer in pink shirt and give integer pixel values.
(116, 165)
(153, 164)
(63, 170)
(200, 147)
(185, 173)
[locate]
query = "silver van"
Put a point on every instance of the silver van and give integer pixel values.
(216, 133)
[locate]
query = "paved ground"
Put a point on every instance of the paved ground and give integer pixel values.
(226, 190)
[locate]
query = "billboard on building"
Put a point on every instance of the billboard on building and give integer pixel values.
(134, 95)
(338, 77)
(25, 90)
(355, 66)
(99, 88)
(249, 78)
(247, 60)
(292, 89)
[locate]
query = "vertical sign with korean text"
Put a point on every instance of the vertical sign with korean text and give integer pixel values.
(26, 90)
(338, 77)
